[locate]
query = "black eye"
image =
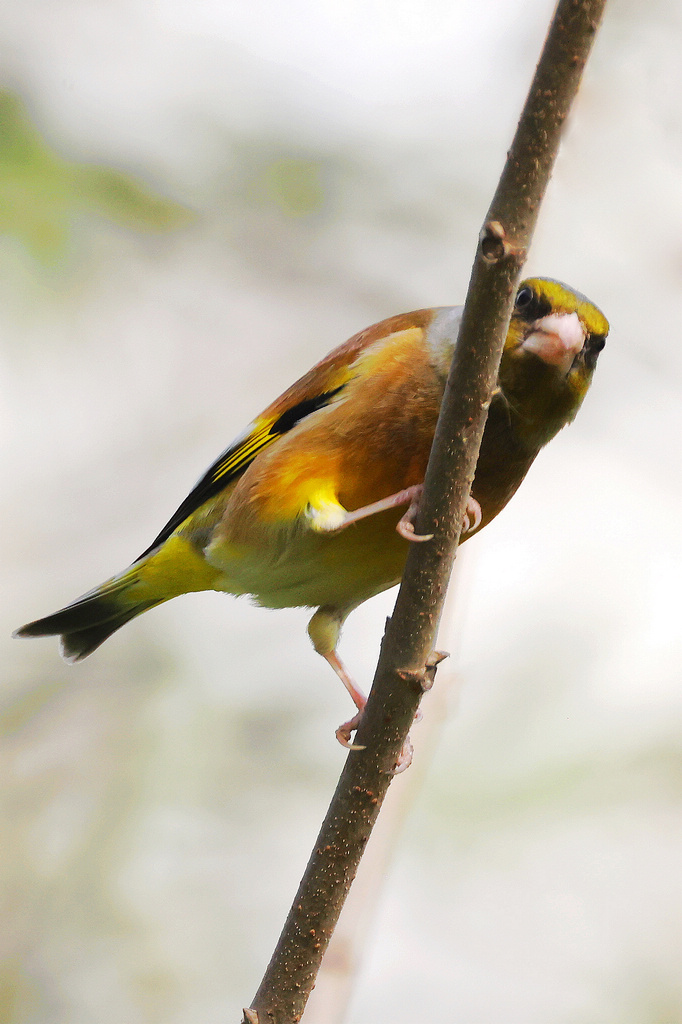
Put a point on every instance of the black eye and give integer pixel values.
(524, 298)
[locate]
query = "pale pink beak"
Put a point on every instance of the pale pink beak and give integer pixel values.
(557, 339)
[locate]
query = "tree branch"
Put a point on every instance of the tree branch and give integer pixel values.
(406, 664)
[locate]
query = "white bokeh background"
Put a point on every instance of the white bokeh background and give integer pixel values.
(160, 799)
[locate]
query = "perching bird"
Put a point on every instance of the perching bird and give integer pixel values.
(307, 506)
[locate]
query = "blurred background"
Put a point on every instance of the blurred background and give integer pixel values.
(197, 201)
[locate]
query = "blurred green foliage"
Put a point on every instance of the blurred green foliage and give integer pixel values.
(294, 185)
(42, 193)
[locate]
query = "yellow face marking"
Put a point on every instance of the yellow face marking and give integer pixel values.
(566, 300)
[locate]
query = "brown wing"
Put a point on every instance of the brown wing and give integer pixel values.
(315, 390)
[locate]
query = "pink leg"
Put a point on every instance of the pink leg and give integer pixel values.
(343, 733)
(346, 729)
(332, 517)
(409, 495)
(324, 629)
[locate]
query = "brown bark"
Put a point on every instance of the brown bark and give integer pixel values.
(406, 664)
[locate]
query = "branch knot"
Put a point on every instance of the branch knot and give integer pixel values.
(494, 243)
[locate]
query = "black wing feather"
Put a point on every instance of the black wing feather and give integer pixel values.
(236, 459)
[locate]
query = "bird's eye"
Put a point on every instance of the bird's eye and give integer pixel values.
(524, 298)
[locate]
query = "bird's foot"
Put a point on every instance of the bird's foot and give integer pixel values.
(472, 516)
(470, 522)
(405, 526)
(344, 732)
(404, 757)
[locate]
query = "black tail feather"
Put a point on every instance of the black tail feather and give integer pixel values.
(86, 623)
(81, 642)
(82, 614)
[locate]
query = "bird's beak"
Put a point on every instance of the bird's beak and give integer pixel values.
(556, 339)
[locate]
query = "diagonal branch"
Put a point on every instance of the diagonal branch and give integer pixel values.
(406, 665)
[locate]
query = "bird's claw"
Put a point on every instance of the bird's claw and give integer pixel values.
(404, 757)
(472, 516)
(343, 733)
(405, 525)
(470, 521)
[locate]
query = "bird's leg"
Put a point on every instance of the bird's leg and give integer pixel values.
(344, 731)
(324, 630)
(330, 517)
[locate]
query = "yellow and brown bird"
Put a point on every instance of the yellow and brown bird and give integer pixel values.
(307, 506)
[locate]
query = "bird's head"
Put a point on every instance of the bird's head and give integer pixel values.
(554, 339)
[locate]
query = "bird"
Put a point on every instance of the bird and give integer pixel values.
(313, 504)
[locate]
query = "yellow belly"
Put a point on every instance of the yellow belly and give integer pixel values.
(300, 567)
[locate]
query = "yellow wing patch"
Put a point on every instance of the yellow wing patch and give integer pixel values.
(238, 457)
(241, 453)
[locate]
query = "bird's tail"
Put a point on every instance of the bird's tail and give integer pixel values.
(89, 621)
(175, 568)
